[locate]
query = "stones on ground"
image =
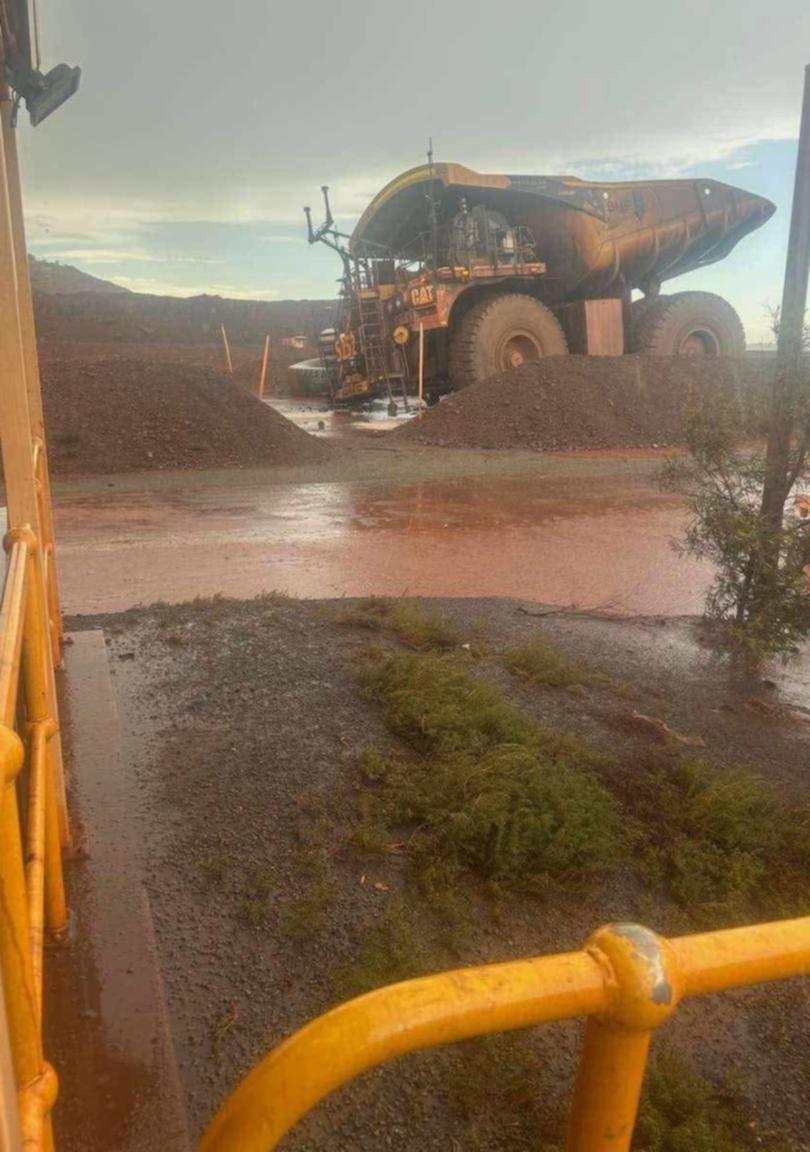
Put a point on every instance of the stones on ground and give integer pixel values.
(122, 413)
(567, 402)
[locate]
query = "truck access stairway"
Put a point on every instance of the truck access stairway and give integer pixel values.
(372, 329)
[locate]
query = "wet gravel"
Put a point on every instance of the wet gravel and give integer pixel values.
(562, 402)
(108, 413)
(238, 720)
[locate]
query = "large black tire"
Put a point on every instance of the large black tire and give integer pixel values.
(640, 308)
(688, 324)
(501, 333)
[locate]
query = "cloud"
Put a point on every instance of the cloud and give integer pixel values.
(122, 256)
(108, 255)
(161, 287)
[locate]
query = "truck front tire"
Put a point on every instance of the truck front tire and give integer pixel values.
(688, 324)
(501, 333)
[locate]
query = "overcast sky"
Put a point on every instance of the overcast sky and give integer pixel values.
(202, 127)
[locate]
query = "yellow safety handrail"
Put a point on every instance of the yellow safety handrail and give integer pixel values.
(32, 896)
(31, 881)
(626, 981)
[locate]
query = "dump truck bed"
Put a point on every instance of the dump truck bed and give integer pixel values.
(593, 236)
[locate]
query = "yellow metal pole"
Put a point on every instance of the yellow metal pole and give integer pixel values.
(603, 1113)
(16, 439)
(56, 911)
(227, 347)
(35, 856)
(31, 360)
(718, 961)
(15, 940)
(12, 611)
(43, 868)
(627, 979)
(15, 422)
(391, 1021)
(38, 677)
(421, 368)
(645, 985)
(10, 1131)
(48, 555)
(265, 358)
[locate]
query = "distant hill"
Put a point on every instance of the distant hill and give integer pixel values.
(72, 305)
(55, 279)
(94, 316)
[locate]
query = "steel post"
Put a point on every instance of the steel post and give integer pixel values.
(15, 945)
(37, 670)
(16, 438)
(10, 1132)
(797, 265)
(627, 981)
(787, 407)
(263, 375)
(31, 361)
(644, 987)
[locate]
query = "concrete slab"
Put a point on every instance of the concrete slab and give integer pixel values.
(107, 1026)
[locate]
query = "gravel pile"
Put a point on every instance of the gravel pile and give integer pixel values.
(127, 413)
(564, 402)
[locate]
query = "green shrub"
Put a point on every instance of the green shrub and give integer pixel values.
(405, 619)
(513, 816)
(491, 793)
(716, 841)
(435, 704)
(682, 1112)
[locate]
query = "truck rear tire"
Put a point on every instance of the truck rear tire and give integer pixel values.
(689, 324)
(501, 333)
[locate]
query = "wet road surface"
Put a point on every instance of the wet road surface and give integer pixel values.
(596, 537)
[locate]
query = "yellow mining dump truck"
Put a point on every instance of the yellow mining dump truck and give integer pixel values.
(474, 274)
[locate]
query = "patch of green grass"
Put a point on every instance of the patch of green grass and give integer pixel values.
(493, 1088)
(491, 793)
(513, 816)
(405, 619)
(536, 662)
(395, 948)
(213, 870)
(436, 704)
(306, 915)
(371, 835)
(720, 843)
(682, 1112)
(253, 906)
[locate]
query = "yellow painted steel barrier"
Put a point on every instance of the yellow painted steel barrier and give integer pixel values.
(626, 981)
(31, 881)
(32, 786)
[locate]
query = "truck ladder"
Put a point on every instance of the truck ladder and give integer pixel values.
(372, 329)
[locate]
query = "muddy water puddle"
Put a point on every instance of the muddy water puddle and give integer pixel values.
(602, 542)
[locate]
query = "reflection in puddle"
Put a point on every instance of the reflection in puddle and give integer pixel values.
(539, 537)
